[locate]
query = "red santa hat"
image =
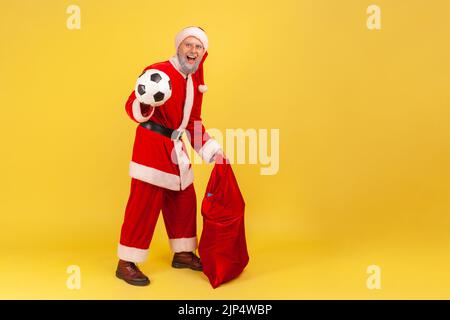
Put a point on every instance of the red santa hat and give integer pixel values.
(197, 32)
(202, 86)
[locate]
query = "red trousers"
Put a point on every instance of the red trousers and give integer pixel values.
(179, 210)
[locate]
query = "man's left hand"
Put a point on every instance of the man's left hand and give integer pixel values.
(218, 155)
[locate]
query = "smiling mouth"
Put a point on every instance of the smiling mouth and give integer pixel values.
(190, 60)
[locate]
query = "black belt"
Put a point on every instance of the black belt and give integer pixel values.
(170, 133)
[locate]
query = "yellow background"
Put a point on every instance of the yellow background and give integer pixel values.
(364, 144)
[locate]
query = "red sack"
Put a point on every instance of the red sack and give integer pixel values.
(222, 247)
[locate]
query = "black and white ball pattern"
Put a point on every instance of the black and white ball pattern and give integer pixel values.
(153, 87)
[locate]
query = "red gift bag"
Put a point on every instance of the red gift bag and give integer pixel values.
(222, 247)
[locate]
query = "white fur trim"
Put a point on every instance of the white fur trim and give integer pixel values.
(137, 114)
(209, 149)
(191, 32)
(154, 176)
(186, 173)
(187, 179)
(183, 244)
(202, 88)
(189, 101)
(131, 254)
(160, 178)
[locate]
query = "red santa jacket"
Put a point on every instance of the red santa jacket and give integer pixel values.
(158, 159)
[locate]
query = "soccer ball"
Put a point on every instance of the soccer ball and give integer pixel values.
(153, 87)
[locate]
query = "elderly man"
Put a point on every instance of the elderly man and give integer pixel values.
(162, 177)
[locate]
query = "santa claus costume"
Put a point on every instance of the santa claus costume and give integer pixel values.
(162, 176)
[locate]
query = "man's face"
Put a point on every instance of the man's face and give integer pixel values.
(190, 54)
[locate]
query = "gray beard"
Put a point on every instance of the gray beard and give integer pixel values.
(185, 66)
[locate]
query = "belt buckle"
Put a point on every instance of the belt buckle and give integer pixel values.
(176, 135)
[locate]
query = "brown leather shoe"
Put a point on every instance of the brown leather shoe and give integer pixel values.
(187, 260)
(130, 273)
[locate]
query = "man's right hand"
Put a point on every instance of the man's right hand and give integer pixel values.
(145, 109)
